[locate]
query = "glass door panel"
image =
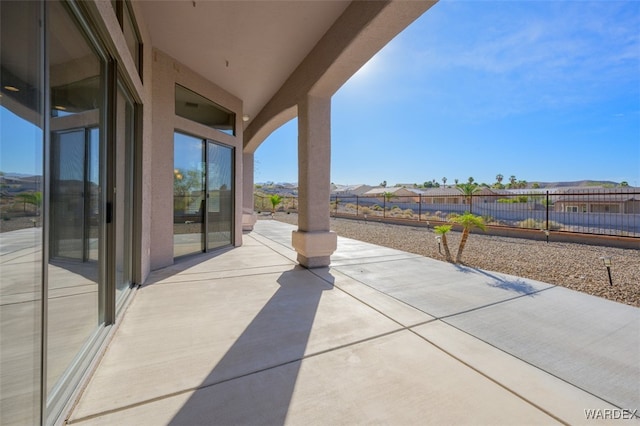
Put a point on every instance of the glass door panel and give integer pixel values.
(188, 195)
(75, 288)
(219, 195)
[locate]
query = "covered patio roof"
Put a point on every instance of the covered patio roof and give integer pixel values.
(269, 53)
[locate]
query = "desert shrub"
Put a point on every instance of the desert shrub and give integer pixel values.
(488, 219)
(365, 210)
(514, 200)
(538, 224)
(530, 224)
(350, 206)
(452, 216)
(376, 207)
(408, 213)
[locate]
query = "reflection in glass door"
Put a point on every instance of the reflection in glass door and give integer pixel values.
(188, 192)
(75, 274)
(21, 223)
(68, 202)
(203, 170)
(75, 194)
(219, 195)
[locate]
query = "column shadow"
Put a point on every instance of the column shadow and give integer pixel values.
(254, 381)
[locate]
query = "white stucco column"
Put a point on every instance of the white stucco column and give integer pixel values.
(248, 216)
(314, 241)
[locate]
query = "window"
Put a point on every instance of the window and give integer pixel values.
(197, 108)
(127, 21)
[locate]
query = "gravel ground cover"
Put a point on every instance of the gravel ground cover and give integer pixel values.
(575, 266)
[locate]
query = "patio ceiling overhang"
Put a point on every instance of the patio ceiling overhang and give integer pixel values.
(270, 53)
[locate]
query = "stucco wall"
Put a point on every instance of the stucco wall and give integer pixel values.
(166, 73)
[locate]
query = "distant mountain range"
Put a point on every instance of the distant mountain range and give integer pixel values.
(575, 183)
(17, 175)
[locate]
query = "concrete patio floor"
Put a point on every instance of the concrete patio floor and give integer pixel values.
(245, 336)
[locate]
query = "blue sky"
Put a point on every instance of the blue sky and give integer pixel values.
(543, 90)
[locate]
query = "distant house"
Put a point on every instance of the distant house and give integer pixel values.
(350, 190)
(454, 196)
(21, 183)
(602, 200)
(403, 194)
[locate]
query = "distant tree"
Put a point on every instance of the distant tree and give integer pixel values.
(33, 198)
(185, 184)
(428, 184)
(512, 181)
(383, 184)
(624, 183)
(468, 221)
(388, 196)
(442, 231)
(455, 181)
(471, 179)
(535, 185)
(499, 178)
(521, 184)
(468, 189)
(444, 182)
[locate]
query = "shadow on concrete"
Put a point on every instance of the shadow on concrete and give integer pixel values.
(254, 381)
(515, 285)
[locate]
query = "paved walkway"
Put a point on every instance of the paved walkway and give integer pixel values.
(382, 337)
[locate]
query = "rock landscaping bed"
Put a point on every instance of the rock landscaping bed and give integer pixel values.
(575, 266)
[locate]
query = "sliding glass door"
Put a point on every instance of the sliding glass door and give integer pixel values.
(202, 195)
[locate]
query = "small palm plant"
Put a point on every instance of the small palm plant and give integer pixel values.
(275, 200)
(467, 221)
(442, 231)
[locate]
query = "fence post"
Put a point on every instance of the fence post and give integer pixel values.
(419, 207)
(547, 203)
(384, 206)
(357, 205)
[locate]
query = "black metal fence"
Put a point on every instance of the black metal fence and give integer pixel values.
(614, 212)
